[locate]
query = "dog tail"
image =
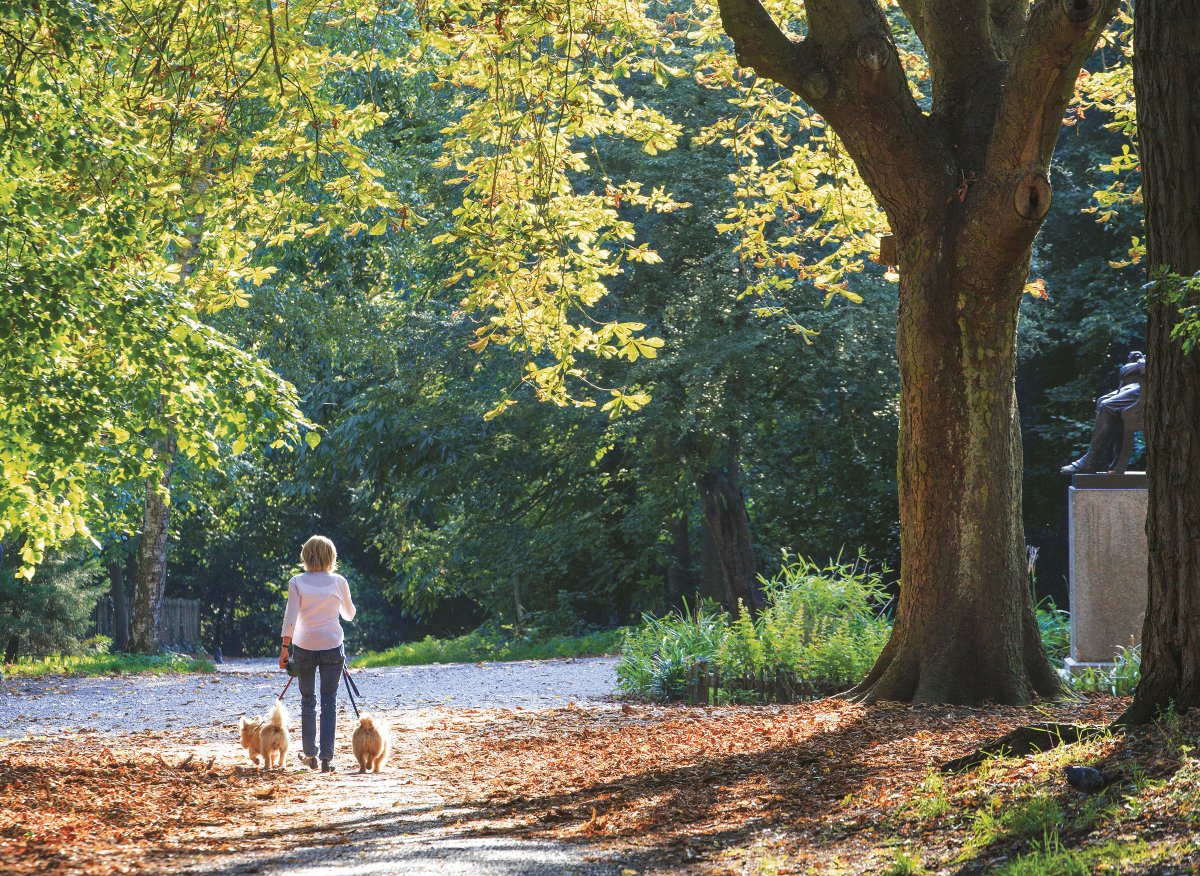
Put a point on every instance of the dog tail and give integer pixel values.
(279, 716)
(367, 721)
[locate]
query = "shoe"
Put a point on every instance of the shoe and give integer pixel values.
(309, 761)
(327, 767)
(1079, 466)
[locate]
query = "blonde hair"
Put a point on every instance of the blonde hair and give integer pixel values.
(319, 555)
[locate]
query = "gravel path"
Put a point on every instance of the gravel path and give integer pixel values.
(395, 822)
(242, 687)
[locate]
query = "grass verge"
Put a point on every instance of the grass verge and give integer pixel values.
(107, 664)
(477, 646)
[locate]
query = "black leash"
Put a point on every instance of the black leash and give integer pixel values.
(351, 689)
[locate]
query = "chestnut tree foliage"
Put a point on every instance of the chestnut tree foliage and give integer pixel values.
(957, 167)
(169, 163)
(156, 156)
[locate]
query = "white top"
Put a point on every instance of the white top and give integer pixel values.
(315, 599)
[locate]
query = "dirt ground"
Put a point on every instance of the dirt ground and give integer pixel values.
(593, 785)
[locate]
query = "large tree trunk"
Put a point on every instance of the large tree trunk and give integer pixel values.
(151, 579)
(965, 629)
(965, 188)
(728, 526)
(1166, 35)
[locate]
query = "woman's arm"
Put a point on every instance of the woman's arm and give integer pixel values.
(347, 609)
(290, 614)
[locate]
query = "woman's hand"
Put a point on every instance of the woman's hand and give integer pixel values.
(283, 655)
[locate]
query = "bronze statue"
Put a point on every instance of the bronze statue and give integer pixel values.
(1118, 416)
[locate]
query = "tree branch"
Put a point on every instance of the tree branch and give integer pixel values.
(759, 42)
(916, 12)
(1057, 38)
(1008, 19)
(848, 70)
(958, 44)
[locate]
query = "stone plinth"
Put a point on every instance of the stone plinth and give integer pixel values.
(1108, 565)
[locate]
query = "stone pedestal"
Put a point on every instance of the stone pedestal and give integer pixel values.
(1108, 565)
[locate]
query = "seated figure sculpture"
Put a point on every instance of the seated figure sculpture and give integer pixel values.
(1108, 438)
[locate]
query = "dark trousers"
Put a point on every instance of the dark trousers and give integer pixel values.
(329, 663)
(1109, 432)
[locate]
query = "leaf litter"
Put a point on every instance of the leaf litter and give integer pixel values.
(817, 787)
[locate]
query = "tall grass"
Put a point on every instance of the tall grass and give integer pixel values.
(1119, 679)
(824, 624)
(1054, 624)
(486, 645)
(107, 664)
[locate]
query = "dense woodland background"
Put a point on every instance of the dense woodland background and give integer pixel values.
(560, 519)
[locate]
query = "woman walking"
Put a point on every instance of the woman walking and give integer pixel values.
(311, 627)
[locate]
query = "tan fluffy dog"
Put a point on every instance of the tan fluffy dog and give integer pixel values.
(267, 738)
(372, 743)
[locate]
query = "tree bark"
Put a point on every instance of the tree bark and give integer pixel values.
(681, 578)
(1166, 36)
(711, 583)
(965, 188)
(116, 589)
(151, 579)
(728, 525)
(965, 628)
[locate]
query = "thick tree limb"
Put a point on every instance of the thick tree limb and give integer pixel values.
(1057, 38)
(1013, 194)
(958, 44)
(1008, 20)
(759, 42)
(848, 70)
(915, 12)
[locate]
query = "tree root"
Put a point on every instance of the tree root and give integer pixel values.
(1025, 740)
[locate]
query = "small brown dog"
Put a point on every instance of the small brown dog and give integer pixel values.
(372, 743)
(267, 737)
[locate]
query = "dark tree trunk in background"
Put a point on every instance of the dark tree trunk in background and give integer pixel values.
(728, 528)
(681, 578)
(151, 578)
(12, 648)
(965, 188)
(116, 589)
(710, 583)
(1166, 49)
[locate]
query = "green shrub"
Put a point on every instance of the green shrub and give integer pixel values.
(1119, 680)
(52, 613)
(824, 624)
(1055, 626)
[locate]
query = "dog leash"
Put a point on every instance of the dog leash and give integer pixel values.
(351, 689)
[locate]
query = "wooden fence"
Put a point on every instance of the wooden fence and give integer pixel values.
(706, 685)
(180, 621)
